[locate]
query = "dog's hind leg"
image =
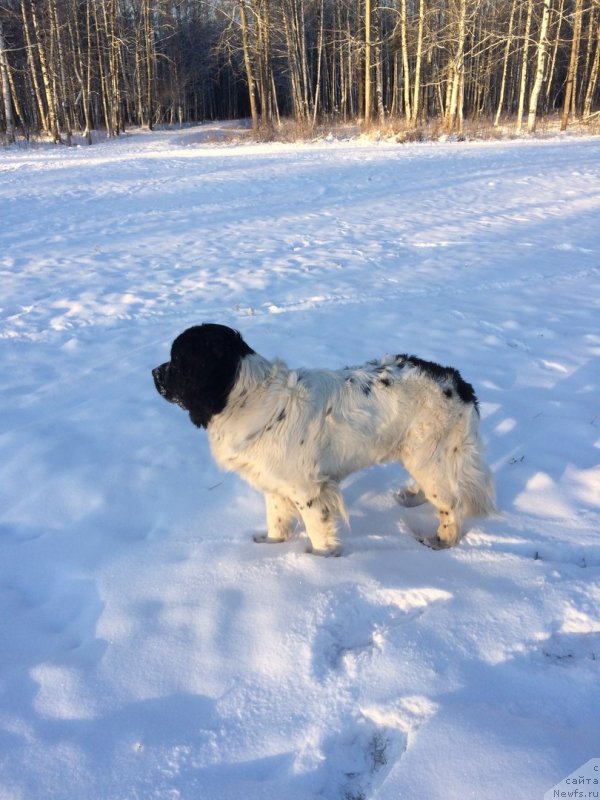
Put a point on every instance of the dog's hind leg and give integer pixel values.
(280, 513)
(436, 488)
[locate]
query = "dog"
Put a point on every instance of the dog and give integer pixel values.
(296, 434)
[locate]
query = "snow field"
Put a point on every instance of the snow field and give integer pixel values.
(149, 648)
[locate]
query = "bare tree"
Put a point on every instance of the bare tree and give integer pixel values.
(456, 71)
(571, 86)
(416, 107)
(593, 76)
(4, 79)
(368, 100)
(524, 63)
(539, 72)
(76, 65)
(507, 47)
(248, 66)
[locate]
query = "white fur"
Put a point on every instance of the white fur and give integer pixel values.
(294, 435)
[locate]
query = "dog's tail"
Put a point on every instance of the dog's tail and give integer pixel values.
(472, 478)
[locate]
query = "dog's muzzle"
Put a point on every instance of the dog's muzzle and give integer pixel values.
(164, 386)
(159, 374)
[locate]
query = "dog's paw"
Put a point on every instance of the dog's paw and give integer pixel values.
(409, 499)
(264, 538)
(435, 543)
(335, 550)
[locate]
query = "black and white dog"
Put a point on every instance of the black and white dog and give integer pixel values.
(295, 434)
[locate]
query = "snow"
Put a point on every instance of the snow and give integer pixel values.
(151, 650)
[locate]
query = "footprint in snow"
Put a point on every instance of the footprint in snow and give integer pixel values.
(359, 756)
(64, 612)
(571, 649)
(354, 627)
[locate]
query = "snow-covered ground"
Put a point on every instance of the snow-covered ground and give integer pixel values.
(149, 650)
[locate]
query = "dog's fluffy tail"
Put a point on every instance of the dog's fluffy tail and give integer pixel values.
(472, 478)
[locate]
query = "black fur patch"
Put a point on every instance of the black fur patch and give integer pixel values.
(443, 375)
(205, 361)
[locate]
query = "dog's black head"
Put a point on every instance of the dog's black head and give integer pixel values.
(204, 364)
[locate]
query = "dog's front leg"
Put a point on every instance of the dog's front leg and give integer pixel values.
(280, 513)
(321, 526)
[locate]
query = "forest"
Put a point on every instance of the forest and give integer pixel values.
(71, 66)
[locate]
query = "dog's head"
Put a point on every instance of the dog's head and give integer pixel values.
(204, 364)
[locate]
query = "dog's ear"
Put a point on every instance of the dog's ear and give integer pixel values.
(207, 360)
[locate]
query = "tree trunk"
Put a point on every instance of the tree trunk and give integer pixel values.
(593, 78)
(149, 46)
(416, 109)
(553, 59)
(368, 101)
(539, 72)
(291, 38)
(454, 112)
(33, 71)
(48, 88)
(319, 60)
(571, 87)
(8, 111)
(405, 69)
(64, 94)
(379, 71)
(523, 85)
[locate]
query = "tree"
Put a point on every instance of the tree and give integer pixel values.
(523, 85)
(571, 87)
(76, 65)
(456, 71)
(593, 77)
(248, 66)
(4, 79)
(539, 72)
(368, 101)
(507, 46)
(416, 107)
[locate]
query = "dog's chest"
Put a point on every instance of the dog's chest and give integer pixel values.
(257, 461)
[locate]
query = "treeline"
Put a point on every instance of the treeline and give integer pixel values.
(80, 65)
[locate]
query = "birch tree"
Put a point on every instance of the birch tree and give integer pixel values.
(539, 72)
(593, 76)
(524, 64)
(71, 66)
(248, 66)
(368, 100)
(571, 86)
(6, 97)
(507, 47)
(454, 110)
